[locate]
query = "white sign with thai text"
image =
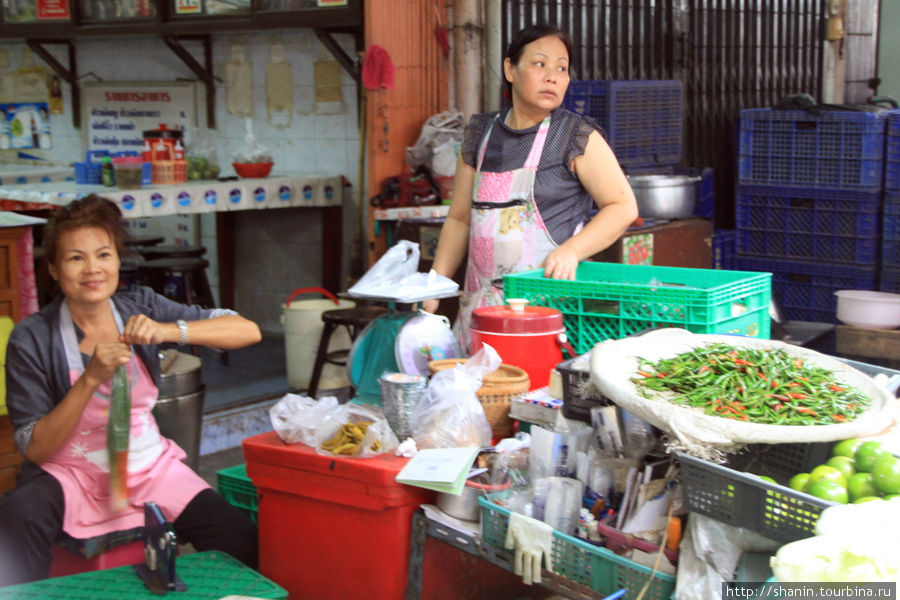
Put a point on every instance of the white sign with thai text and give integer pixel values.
(117, 114)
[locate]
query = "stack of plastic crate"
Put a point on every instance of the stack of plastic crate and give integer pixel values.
(890, 226)
(643, 119)
(808, 204)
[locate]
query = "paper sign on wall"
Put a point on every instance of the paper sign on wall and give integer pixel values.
(53, 9)
(24, 125)
(117, 114)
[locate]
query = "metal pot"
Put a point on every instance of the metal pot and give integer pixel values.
(665, 196)
(181, 374)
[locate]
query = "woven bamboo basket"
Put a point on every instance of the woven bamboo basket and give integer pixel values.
(497, 390)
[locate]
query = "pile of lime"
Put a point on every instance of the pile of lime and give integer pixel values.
(201, 168)
(858, 471)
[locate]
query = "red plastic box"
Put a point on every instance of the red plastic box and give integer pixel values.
(332, 527)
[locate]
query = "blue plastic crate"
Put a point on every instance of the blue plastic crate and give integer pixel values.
(832, 226)
(843, 149)
(723, 246)
(890, 232)
(805, 290)
(89, 171)
(892, 152)
(643, 119)
(890, 279)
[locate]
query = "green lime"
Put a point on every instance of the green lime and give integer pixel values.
(866, 499)
(867, 454)
(828, 473)
(767, 478)
(828, 490)
(799, 481)
(844, 464)
(861, 485)
(846, 447)
(886, 474)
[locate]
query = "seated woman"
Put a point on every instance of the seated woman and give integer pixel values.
(59, 365)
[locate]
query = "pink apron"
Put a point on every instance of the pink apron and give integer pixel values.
(506, 232)
(155, 468)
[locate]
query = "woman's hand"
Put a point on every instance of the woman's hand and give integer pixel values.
(107, 356)
(561, 263)
(430, 305)
(141, 329)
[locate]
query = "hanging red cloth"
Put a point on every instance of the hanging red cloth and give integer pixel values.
(377, 69)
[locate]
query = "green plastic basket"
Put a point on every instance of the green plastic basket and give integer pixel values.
(593, 566)
(236, 487)
(612, 300)
(208, 575)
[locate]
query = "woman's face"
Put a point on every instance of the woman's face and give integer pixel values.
(541, 77)
(86, 265)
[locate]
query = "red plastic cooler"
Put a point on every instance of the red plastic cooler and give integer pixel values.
(332, 527)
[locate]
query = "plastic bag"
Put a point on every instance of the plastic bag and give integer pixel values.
(318, 424)
(450, 415)
(201, 158)
(438, 142)
(252, 151)
(394, 277)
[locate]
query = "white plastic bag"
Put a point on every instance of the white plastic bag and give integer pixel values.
(300, 419)
(252, 151)
(437, 144)
(395, 277)
(450, 415)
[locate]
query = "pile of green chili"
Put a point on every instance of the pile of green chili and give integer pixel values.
(753, 385)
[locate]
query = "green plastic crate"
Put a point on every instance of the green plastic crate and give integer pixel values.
(235, 486)
(593, 566)
(612, 300)
(208, 575)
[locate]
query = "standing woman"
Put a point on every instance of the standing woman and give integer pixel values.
(526, 180)
(59, 363)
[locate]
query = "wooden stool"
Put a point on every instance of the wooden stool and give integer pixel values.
(180, 279)
(354, 319)
(167, 251)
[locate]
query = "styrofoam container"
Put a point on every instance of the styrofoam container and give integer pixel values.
(868, 309)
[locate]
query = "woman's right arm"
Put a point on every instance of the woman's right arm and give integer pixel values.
(454, 240)
(53, 429)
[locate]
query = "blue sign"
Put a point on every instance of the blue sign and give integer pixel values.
(284, 193)
(307, 192)
(259, 194)
(329, 192)
(156, 200)
(210, 197)
(235, 195)
(184, 198)
(128, 202)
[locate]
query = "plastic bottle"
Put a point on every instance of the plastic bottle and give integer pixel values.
(118, 431)
(107, 174)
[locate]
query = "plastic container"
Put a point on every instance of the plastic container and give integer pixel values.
(576, 403)
(892, 153)
(129, 172)
(837, 149)
(329, 526)
(612, 301)
(593, 566)
(302, 321)
(805, 290)
(524, 336)
(723, 248)
(828, 225)
(868, 309)
(233, 484)
(729, 494)
(89, 171)
(643, 119)
(890, 231)
(252, 170)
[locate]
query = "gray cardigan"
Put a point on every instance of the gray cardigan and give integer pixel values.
(37, 375)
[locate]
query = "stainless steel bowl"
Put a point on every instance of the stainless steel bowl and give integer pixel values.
(665, 196)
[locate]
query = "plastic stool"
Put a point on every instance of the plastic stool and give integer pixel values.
(66, 562)
(143, 240)
(354, 319)
(180, 279)
(169, 251)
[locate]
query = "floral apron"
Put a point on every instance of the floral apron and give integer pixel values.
(506, 232)
(155, 468)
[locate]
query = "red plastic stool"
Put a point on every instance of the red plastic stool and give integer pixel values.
(66, 562)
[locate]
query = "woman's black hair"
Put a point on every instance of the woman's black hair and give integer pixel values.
(524, 37)
(90, 211)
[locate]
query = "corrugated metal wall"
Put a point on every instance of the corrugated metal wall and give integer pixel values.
(729, 54)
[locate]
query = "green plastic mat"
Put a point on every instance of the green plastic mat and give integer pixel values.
(208, 575)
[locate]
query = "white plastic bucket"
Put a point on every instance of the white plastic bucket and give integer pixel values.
(302, 321)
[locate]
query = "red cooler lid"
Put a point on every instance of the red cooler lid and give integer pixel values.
(517, 318)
